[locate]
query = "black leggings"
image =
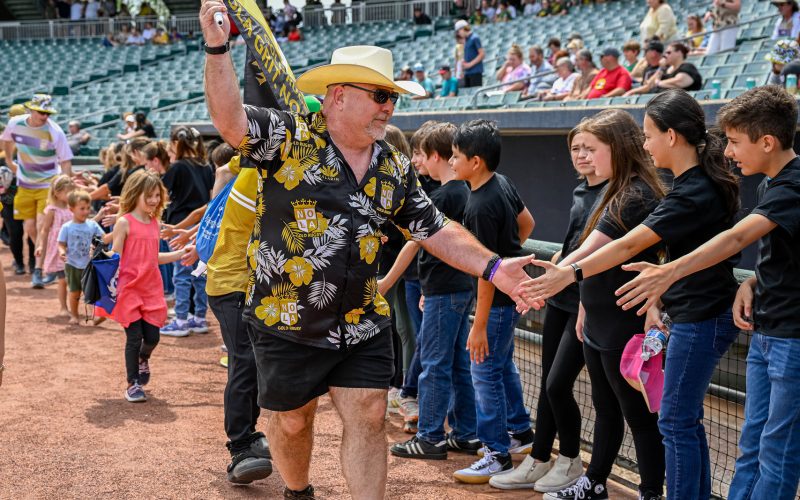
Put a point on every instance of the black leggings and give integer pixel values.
(562, 361)
(142, 338)
(613, 398)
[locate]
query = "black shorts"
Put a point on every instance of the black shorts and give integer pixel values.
(291, 374)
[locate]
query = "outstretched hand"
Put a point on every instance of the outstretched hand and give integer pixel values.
(537, 290)
(647, 287)
(510, 275)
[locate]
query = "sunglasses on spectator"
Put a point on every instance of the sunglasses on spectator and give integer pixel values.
(380, 96)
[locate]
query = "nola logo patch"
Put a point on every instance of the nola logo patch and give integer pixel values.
(289, 315)
(308, 219)
(387, 193)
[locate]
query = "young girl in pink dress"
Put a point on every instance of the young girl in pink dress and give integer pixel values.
(56, 213)
(140, 308)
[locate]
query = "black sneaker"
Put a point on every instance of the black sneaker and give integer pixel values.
(306, 494)
(469, 446)
(260, 446)
(584, 489)
(246, 467)
(19, 269)
(419, 448)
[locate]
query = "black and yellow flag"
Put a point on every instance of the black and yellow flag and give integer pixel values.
(268, 79)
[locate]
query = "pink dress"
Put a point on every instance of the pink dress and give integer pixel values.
(52, 261)
(141, 290)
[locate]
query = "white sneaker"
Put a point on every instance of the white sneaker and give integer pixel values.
(524, 476)
(516, 447)
(564, 473)
(481, 471)
(409, 409)
(394, 397)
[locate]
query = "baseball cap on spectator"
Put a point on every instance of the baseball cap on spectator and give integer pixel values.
(461, 24)
(655, 45)
(130, 118)
(575, 44)
(419, 67)
(611, 51)
(444, 69)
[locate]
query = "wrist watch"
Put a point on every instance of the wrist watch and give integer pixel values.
(487, 273)
(217, 50)
(578, 272)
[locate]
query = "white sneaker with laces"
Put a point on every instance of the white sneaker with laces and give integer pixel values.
(409, 409)
(565, 472)
(516, 447)
(524, 476)
(492, 464)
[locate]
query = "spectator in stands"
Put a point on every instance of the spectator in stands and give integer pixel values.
(135, 38)
(421, 78)
(573, 47)
(694, 26)
(563, 85)
(161, 37)
(513, 69)
(613, 80)
(649, 64)
(582, 84)
(788, 25)
(725, 14)
(148, 32)
(123, 34)
(473, 54)
(532, 8)
(141, 127)
(673, 73)
(76, 10)
(421, 17)
(458, 9)
(174, 35)
(503, 15)
(339, 12)
(50, 11)
(477, 17)
(659, 23)
(92, 10)
(63, 9)
(539, 65)
(108, 8)
(553, 46)
(405, 75)
(488, 10)
(77, 137)
(630, 51)
(785, 59)
(290, 13)
(109, 41)
(449, 82)
(545, 10)
(294, 34)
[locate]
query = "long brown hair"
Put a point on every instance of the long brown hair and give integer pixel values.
(139, 183)
(188, 144)
(619, 131)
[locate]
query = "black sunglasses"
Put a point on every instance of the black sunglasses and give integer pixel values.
(379, 95)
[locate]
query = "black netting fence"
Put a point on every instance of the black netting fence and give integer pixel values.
(724, 404)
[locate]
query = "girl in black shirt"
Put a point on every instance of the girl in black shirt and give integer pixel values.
(703, 202)
(614, 142)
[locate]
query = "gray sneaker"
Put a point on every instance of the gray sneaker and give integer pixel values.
(36, 280)
(564, 473)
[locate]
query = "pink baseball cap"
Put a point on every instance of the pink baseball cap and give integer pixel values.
(646, 377)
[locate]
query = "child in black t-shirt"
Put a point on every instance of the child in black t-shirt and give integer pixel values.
(702, 203)
(445, 322)
(760, 126)
(496, 215)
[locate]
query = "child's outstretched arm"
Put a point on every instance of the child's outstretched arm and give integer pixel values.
(44, 233)
(654, 280)
(170, 257)
(404, 259)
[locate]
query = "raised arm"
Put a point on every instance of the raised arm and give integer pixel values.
(401, 263)
(221, 84)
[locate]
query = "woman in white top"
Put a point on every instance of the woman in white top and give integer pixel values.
(563, 85)
(788, 25)
(659, 22)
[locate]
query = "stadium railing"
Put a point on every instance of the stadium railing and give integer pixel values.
(724, 403)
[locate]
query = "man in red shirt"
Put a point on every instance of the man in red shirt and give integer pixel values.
(613, 80)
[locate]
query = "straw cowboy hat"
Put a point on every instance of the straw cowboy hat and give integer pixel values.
(42, 103)
(357, 64)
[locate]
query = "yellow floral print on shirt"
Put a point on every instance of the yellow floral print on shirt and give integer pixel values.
(299, 270)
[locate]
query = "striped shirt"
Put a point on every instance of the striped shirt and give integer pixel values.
(39, 151)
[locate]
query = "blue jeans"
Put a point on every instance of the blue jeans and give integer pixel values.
(693, 353)
(445, 386)
(414, 368)
(498, 392)
(183, 280)
(166, 269)
(769, 464)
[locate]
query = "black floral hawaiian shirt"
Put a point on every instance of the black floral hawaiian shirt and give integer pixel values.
(316, 244)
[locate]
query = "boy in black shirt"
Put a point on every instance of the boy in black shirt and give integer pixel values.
(445, 323)
(496, 215)
(760, 125)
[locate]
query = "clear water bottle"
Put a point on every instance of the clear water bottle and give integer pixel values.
(791, 84)
(656, 339)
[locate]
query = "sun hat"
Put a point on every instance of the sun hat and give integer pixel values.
(42, 103)
(784, 52)
(357, 64)
(646, 377)
(461, 24)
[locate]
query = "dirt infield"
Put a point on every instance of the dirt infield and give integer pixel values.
(67, 432)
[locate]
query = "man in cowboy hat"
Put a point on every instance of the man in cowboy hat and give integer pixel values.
(42, 153)
(329, 182)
